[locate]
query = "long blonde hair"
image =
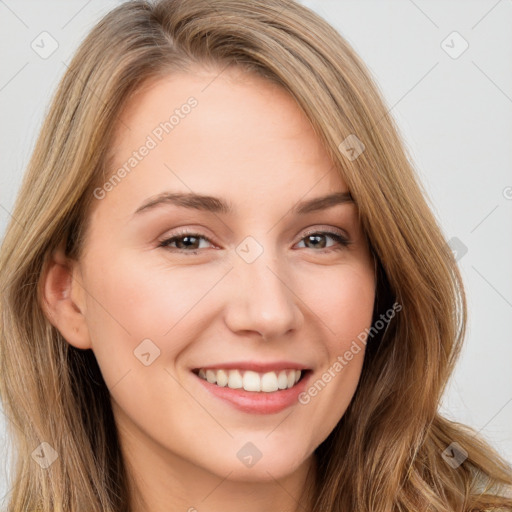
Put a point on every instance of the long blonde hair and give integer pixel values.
(386, 452)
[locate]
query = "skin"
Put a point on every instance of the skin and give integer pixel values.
(248, 142)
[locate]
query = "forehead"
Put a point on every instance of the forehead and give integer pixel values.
(243, 135)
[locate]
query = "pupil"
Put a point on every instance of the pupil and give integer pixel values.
(185, 238)
(311, 237)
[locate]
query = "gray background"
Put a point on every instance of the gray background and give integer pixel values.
(454, 112)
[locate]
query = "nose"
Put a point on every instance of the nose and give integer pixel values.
(262, 299)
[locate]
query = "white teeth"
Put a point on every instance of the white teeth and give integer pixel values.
(222, 378)
(269, 382)
(235, 379)
(282, 380)
(251, 381)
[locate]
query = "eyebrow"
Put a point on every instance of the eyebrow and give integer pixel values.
(218, 205)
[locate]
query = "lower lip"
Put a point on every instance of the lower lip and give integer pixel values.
(258, 402)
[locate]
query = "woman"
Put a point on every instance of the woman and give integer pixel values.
(295, 358)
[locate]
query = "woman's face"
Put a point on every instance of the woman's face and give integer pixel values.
(256, 292)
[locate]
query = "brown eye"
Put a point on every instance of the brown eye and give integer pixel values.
(184, 242)
(317, 240)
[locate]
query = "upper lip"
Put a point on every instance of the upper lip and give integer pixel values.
(260, 367)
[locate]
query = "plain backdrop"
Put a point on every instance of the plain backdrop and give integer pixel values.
(445, 70)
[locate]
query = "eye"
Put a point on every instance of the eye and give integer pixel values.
(184, 240)
(316, 238)
(188, 242)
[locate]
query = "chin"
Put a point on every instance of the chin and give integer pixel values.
(268, 463)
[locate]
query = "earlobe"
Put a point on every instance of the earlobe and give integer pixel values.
(63, 299)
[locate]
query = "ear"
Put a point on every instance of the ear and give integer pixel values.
(64, 299)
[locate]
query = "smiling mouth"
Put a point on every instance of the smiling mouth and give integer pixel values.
(248, 380)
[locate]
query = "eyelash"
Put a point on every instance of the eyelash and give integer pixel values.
(343, 242)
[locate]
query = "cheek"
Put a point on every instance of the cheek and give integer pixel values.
(345, 307)
(140, 314)
(342, 298)
(129, 302)
(144, 301)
